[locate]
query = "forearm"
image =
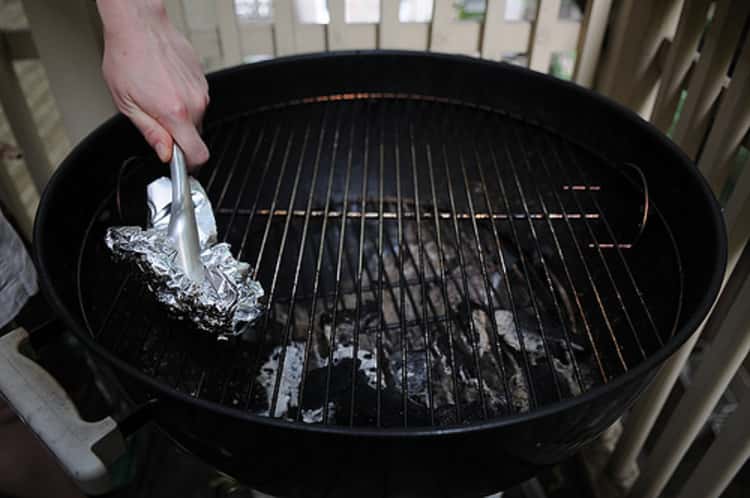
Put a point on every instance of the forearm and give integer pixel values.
(155, 76)
(122, 18)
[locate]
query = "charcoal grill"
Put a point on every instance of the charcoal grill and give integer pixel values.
(471, 270)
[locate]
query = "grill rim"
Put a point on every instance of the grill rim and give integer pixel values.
(691, 324)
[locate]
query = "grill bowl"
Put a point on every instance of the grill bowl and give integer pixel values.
(480, 455)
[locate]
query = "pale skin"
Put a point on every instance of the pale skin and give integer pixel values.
(156, 80)
(154, 76)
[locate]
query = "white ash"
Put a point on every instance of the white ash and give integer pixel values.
(315, 416)
(368, 362)
(532, 342)
(290, 379)
(507, 351)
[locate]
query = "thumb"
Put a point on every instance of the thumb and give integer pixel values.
(154, 133)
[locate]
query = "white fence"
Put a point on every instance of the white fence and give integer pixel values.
(494, 29)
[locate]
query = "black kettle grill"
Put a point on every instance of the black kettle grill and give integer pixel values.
(471, 270)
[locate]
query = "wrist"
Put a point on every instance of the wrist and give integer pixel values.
(125, 16)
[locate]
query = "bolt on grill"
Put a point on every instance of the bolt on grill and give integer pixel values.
(427, 263)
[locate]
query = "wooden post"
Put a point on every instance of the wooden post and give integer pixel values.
(719, 364)
(724, 458)
(394, 34)
(348, 36)
(639, 85)
(623, 465)
(69, 46)
(337, 25)
(541, 35)
(612, 62)
(681, 56)
(590, 41)
(229, 33)
(450, 35)
(22, 122)
(176, 13)
(494, 24)
(291, 36)
(632, 69)
(283, 27)
(709, 74)
(12, 200)
(736, 213)
(501, 37)
(731, 124)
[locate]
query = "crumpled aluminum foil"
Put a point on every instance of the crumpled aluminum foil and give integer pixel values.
(225, 302)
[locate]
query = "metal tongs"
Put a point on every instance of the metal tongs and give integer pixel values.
(183, 229)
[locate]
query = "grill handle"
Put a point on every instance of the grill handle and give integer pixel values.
(646, 201)
(85, 450)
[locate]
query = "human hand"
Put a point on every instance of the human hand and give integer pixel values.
(154, 76)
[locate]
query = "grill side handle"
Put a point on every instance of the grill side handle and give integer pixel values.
(85, 450)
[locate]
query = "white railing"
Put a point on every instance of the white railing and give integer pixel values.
(498, 31)
(654, 62)
(713, 123)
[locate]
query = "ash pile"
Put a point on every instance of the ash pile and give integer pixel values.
(467, 357)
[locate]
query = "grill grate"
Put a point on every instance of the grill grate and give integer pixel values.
(427, 262)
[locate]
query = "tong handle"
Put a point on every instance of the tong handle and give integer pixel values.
(183, 229)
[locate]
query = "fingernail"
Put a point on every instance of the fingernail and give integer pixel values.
(161, 151)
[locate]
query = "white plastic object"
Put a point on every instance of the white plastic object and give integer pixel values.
(85, 450)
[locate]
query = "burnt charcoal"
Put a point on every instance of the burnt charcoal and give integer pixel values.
(416, 371)
(391, 407)
(457, 323)
(446, 415)
(315, 385)
(470, 412)
(366, 398)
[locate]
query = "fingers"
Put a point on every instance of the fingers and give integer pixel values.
(154, 133)
(186, 135)
(175, 125)
(196, 152)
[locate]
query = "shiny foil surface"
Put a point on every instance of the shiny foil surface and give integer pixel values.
(225, 302)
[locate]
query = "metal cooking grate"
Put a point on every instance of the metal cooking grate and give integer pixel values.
(426, 262)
